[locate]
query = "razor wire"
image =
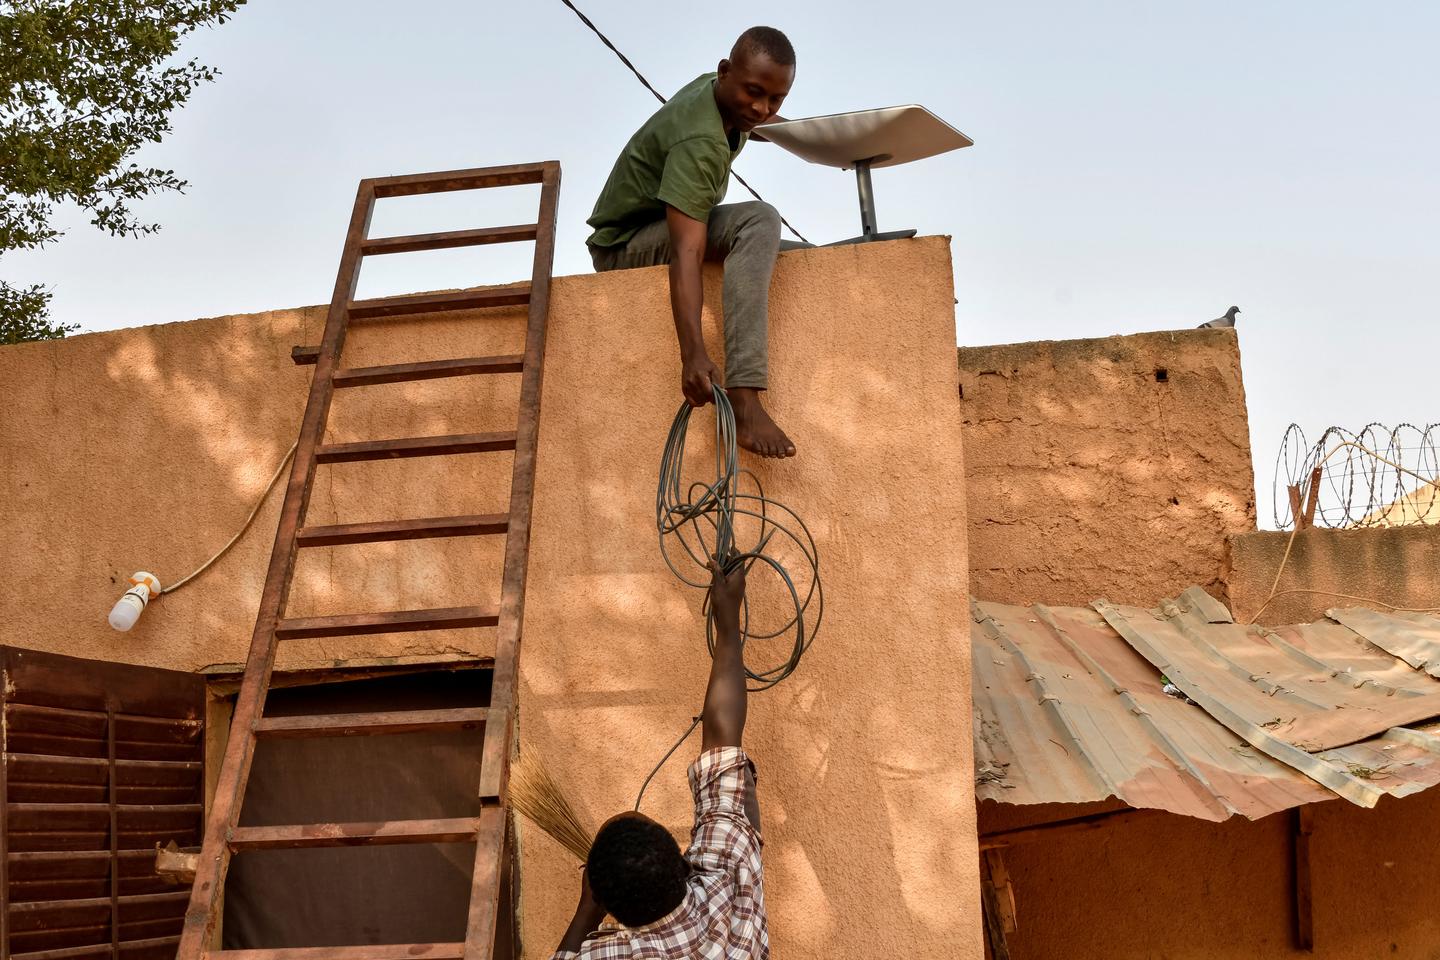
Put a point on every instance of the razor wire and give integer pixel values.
(1379, 476)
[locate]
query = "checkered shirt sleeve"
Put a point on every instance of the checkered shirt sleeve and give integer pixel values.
(723, 914)
(723, 839)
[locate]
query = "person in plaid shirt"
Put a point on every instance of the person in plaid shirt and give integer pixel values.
(708, 902)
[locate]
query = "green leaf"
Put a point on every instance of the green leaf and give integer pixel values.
(23, 315)
(84, 84)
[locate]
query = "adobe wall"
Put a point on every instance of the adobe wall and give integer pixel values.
(145, 448)
(1110, 468)
(1183, 889)
(1394, 565)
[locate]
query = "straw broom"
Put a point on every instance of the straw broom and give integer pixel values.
(537, 797)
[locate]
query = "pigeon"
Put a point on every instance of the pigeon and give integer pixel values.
(1226, 321)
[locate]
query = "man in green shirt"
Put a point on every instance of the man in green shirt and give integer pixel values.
(662, 205)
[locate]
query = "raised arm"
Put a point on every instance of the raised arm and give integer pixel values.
(725, 697)
(687, 296)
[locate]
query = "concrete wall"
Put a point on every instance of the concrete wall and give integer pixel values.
(1388, 565)
(1108, 468)
(1183, 889)
(146, 448)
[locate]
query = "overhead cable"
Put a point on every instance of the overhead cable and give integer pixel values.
(646, 83)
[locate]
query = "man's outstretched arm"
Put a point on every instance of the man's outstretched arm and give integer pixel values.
(687, 296)
(726, 697)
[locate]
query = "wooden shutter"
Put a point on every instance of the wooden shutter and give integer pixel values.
(102, 761)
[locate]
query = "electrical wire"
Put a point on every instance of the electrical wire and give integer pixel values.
(701, 518)
(646, 83)
(613, 49)
(1344, 596)
(243, 527)
(695, 722)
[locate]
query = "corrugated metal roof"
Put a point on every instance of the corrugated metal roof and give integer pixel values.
(1068, 707)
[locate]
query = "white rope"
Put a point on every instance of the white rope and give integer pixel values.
(243, 527)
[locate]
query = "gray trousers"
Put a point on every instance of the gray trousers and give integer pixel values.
(746, 238)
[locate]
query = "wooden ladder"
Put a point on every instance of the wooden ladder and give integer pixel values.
(223, 835)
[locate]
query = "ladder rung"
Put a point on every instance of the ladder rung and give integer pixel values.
(51, 857)
(428, 370)
(304, 356)
(382, 832)
(468, 526)
(444, 181)
(393, 621)
(379, 951)
(518, 233)
(148, 945)
(439, 302)
(370, 724)
(134, 899)
(415, 447)
(53, 809)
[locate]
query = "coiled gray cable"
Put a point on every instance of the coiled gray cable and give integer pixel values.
(712, 508)
(702, 520)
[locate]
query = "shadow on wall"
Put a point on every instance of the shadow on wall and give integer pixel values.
(835, 818)
(1110, 468)
(863, 785)
(1332, 568)
(867, 788)
(147, 448)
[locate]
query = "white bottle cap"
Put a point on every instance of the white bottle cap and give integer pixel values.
(126, 611)
(128, 608)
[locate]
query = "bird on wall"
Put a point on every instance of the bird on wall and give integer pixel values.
(1226, 321)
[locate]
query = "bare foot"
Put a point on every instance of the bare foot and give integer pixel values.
(754, 430)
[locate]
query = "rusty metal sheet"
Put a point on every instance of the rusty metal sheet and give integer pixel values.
(1069, 707)
(1066, 711)
(1413, 637)
(1319, 698)
(1401, 761)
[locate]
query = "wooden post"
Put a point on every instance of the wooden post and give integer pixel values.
(1312, 496)
(1297, 506)
(112, 790)
(1303, 823)
(992, 908)
(1004, 891)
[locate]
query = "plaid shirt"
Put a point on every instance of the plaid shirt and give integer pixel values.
(723, 914)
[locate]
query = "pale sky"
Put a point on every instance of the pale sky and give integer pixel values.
(1138, 166)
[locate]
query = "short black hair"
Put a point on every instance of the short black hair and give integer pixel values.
(766, 40)
(636, 870)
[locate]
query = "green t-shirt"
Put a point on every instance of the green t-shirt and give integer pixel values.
(680, 158)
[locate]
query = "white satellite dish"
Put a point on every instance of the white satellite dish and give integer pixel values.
(863, 139)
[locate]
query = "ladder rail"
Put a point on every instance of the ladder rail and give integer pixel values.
(492, 834)
(206, 892)
(490, 850)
